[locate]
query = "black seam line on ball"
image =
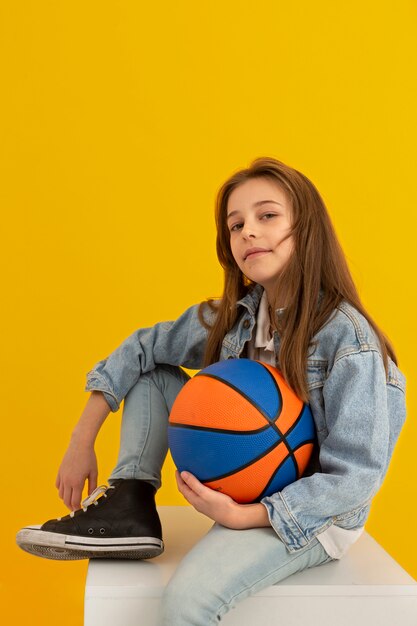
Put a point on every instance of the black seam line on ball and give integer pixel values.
(249, 399)
(220, 430)
(110, 545)
(290, 454)
(296, 421)
(285, 442)
(236, 470)
(274, 382)
(252, 461)
(297, 469)
(289, 431)
(278, 390)
(273, 424)
(256, 405)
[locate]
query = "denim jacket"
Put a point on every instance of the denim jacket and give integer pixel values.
(358, 411)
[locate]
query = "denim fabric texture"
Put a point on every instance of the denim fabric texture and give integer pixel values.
(358, 411)
(225, 567)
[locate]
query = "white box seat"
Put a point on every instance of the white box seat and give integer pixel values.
(366, 587)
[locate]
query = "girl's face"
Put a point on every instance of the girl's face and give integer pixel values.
(259, 216)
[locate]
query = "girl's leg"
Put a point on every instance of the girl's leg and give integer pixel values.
(123, 522)
(144, 433)
(225, 567)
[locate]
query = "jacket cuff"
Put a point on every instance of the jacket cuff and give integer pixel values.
(95, 382)
(284, 524)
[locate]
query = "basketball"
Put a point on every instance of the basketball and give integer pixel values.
(239, 428)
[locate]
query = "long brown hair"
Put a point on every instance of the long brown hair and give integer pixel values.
(315, 280)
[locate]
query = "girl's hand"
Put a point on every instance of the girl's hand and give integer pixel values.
(218, 506)
(78, 464)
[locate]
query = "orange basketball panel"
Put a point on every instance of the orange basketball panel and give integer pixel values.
(303, 455)
(291, 404)
(210, 403)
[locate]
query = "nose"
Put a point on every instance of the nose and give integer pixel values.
(248, 230)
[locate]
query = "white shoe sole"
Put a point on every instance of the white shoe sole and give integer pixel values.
(58, 546)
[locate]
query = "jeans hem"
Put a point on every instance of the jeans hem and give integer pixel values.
(134, 472)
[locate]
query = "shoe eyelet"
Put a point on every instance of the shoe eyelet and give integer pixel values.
(102, 531)
(90, 530)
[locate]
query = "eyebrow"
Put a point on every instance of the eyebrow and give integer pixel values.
(255, 204)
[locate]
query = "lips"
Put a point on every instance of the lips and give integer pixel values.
(254, 252)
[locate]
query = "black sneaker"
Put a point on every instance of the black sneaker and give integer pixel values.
(122, 524)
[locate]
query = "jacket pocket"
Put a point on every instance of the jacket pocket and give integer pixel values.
(316, 375)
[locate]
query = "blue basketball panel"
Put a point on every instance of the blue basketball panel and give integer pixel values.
(254, 380)
(210, 454)
(303, 431)
(285, 475)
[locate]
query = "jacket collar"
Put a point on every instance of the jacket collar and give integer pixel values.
(252, 299)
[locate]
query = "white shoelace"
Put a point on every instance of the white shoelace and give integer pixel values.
(91, 499)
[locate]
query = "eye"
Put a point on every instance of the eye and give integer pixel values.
(268, 215)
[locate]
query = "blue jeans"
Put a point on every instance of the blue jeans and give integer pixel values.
(226, 565)
(144, 434)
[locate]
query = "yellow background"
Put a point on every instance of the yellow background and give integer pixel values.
(119, 121)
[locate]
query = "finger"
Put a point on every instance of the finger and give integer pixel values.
(178, 478)
(76, 498)
(190, 495)
(184, 489)
(67, 497)
(57, 481)
(92, 483)
(180, 483)
(61, 489)
(193, 483)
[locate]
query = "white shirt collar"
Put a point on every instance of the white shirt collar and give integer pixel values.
(263, 337)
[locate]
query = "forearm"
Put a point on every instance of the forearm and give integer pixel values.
(92, 418)
(250, 516)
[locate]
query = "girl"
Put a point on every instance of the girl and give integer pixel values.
(289, 300)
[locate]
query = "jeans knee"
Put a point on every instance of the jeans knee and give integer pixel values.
(165, 369)
(168, 380)
(186, 603)
(172, 605)
(164, 375)
(164, 380)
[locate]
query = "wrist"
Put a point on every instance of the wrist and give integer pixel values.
(250, 516)
(81, 439)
